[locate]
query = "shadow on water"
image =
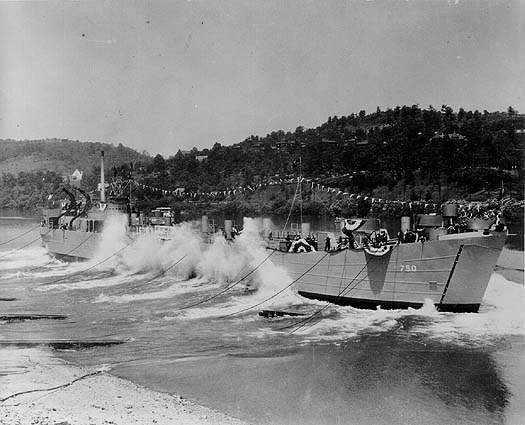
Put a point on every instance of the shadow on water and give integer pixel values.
(457, 376)
(384, 378)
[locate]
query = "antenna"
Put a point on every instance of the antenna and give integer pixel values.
(102, 179)
(301, 187)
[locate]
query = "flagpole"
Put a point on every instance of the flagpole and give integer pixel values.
(301, 187)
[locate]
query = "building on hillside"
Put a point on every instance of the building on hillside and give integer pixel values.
(456, 136)
(328, 141)
(182, 153)
(284, 144)
(451, 136)
(201, 158)
(74, 179)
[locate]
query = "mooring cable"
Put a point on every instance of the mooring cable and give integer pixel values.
(161, 273)
(154, 277)
(88, 268)
(8, 253)
(39, 237)
(293, 201)
(229, 286)
(67, 384)
(19, 236)
(305, 321)
(344, 291)
(67, 253)
(277, 293)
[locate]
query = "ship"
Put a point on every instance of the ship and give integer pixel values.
(444, 259)
(74, 231)
(440, 259)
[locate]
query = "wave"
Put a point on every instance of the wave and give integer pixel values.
(500, 315)
(97, 281)
(233, 280)
(20, 259)
(238, 266)
(173, 290)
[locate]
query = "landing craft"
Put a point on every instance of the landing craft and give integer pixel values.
(74, 231)
(366, 270)
(450, 262)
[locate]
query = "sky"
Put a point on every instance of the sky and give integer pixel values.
(167, 75)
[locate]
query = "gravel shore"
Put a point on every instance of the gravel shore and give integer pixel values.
(39, 389)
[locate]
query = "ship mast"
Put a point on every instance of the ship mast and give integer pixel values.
(102, 179)
(301, 188)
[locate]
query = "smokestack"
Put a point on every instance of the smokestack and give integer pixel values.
(102, 179)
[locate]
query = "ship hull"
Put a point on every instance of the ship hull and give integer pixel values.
(70, 244)
(453, 274)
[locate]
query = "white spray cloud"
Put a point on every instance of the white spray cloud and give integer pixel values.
(24, 258)
(501, 314)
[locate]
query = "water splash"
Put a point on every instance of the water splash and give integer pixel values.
(24, 258)
(238, 266)
(501, 314)
(173, 290)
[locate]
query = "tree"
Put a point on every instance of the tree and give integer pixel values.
(159, 164)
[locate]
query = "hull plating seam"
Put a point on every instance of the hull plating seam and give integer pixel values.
(363, 264)
(331, 276)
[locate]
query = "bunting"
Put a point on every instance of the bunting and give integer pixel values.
(375, 203)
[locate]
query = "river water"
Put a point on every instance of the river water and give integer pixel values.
(192, 328)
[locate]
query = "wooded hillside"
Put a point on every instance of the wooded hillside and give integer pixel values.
(402, 153)
(405, 153)
(30, 170)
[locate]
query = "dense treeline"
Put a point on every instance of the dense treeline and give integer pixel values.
(28, 190)
(406, 153)
(60, 155)
(31, 170)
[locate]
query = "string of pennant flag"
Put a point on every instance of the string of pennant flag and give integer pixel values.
(314, 185)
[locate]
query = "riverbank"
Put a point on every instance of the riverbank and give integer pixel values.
(38, 388)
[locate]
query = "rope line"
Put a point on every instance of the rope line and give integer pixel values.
(229, 286)
(20, 248)
(152, 278)
(404, 260)
(19, 236)
(88, 268)
(277, 293)
(291, 208)
(67, 253)
(305, 321)
(161, 273)
(490, 248)
(345, 291)
(98, 372)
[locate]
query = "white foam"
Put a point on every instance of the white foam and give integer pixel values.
(221, 261)
(501, 314)
(255, 281)
(59, 271)
(98, 282)
(173, 290)
(24, 258)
